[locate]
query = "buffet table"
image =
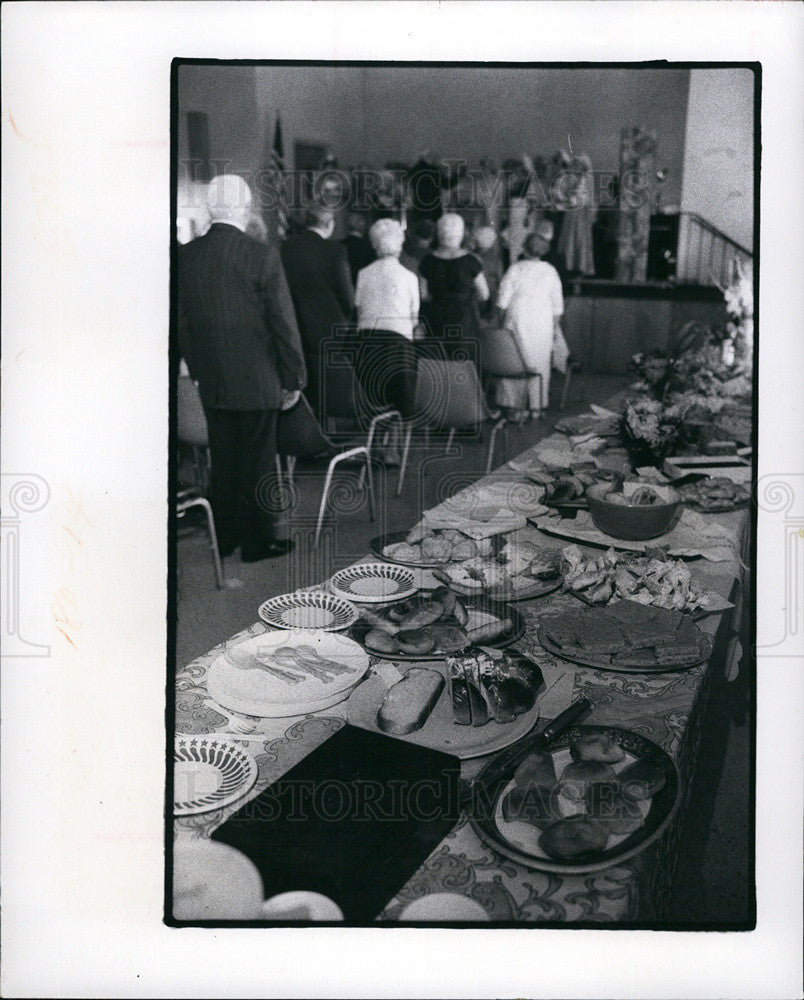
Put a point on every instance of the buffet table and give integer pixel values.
(667, 708)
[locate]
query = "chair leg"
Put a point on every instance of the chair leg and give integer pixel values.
(213, 537)
(324, 497)
(450, 439)
(500, 425)
(565, 390)
(291, 464)
(370, 480)
(278, 462)
(404, 463)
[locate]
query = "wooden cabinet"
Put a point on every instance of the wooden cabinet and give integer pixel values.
(604, 330)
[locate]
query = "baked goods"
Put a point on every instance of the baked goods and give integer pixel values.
(408, 703)
(641, 780)
(536, 769)
(534, 804)
(579, 774)
(514, 568)
(653, 578)
(601, 747)
(569, 486)
(626, 634)
(492, 686)
(438, 546)
(592, 805)
(570, 838)
(715, 494)
(423, 626)
(606, 802)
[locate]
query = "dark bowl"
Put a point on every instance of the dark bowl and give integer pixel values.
(636, 523)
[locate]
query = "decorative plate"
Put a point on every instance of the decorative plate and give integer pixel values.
(209, 772)
(315, 609)
(285, 673)
(480, 613)
(374, 583)
(520, 840)
(704, 652)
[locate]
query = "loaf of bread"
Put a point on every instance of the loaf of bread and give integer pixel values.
(408, 703)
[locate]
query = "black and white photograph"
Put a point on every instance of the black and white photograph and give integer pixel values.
(464, 461)
(402, 499)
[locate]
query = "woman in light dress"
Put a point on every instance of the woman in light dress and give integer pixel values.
(532, 302)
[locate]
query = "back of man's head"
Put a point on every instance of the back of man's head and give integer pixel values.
(229, 199)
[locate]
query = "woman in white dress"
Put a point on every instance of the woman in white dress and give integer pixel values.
(532, 302)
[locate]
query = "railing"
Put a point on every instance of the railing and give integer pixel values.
(706, 255)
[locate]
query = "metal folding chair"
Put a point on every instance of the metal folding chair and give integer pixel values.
(449, 397)
(299, 435)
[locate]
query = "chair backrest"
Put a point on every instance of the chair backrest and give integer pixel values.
(191, 423)
(343, 396)
(501, 357)
(299, 433)
(449, 394)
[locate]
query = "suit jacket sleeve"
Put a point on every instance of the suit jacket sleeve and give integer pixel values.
(281, 322)
(343, 281)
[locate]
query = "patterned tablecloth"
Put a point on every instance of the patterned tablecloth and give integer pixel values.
(667, 708)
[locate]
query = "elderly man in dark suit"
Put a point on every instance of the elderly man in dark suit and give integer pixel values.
(238, 334)
(317, 270)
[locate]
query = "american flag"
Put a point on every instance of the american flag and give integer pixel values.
(275, 213)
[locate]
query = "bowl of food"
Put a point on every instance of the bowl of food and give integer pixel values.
(634, 511)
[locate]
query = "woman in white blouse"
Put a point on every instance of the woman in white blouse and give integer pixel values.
(387, 303)
(530, 297)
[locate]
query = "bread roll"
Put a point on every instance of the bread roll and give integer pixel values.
(601, 747)
(415, 641)
(536, 769)
(380, 642)
(641, 780)
(535, 805)
(574, 836)
(577, 776)
(605, 801)
(408, 703)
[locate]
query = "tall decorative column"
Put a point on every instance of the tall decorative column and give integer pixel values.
(637, 182)
(21, 494)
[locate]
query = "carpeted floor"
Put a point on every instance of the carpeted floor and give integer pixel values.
(713, 879)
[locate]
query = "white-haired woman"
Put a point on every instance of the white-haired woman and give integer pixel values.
(387, 304)
(452, 284)
(531, 300)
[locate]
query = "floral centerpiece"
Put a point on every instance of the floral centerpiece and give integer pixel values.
(649, 431)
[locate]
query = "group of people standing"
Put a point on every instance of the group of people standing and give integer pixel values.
(256, 323)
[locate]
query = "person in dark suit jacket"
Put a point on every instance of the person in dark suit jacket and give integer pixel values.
(358, 247)
(317, 270)
(238, 335)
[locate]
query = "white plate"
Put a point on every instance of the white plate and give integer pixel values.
(209, 772)
(374, 583)
(313, 609)
(440, 731)
(255, 691)
(213, 881)
(301, 905)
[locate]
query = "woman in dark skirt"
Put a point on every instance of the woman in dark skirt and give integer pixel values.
(452, 286)
(387, 303)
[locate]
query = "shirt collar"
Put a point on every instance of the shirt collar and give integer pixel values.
(230, 222)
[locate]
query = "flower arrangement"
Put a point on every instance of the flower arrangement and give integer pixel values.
(649, 431)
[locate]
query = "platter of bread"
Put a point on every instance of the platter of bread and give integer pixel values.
(626, 637)
(594, 797)
(421, 704)
(435, 624)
